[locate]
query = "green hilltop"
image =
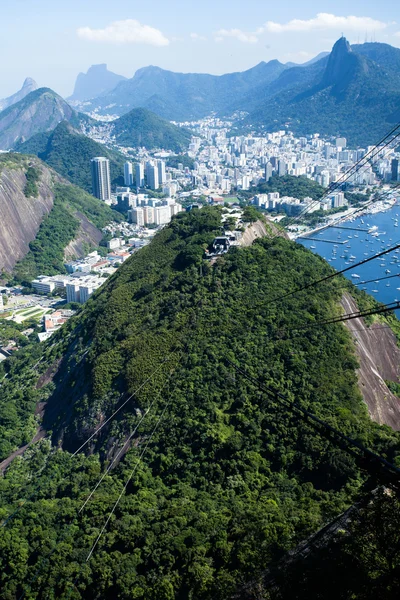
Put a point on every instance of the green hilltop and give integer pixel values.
(141, 127)
(224, 479)
(70, 152)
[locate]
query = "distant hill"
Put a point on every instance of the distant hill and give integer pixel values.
(346, 93)
(38, 112)
(29, 86)
(98, 80)
(69, 153)
(183, 96)
(140, 127)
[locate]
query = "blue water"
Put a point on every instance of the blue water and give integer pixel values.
(361, 245)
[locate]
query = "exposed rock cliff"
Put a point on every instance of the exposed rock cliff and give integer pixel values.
(20, 217)
(88, 235)
(379, 358)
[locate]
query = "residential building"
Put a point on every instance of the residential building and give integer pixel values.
(152, 176)
(128, 174)
(161, 172)
(395, 169)
(139, 172)
(136, 215)
(101, 182)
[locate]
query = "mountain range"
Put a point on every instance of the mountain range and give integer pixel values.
(183, 96)
(29, 124)
(332, 94)
(354, 92)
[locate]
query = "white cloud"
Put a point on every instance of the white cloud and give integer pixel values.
(324, 21)
(129, 31)
(197, 37)
(242, 36)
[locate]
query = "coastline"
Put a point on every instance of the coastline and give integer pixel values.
(377, 207)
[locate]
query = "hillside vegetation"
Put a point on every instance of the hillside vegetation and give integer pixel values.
(222, 478)
(70, 153)
(140, 127)
(58, 228)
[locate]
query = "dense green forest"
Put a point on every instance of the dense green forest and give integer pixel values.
(287, 185)
(223, 480)
(69, 153)
(58, 228)
(140, 127)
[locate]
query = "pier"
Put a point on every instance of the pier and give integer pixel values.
(350, 228)
(339, 242)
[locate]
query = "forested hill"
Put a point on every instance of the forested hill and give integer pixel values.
(69, 153)
(222, 480)
(141, 127)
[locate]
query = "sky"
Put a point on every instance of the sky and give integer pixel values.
(52, 40)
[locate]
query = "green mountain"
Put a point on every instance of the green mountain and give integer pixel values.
(38, 112)
(352, 96)
(183, 96)
(204, 479)
(70, 153)
(140, 127)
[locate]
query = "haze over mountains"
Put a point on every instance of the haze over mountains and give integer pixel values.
(28, 86)
(329, 94)
(98, 80)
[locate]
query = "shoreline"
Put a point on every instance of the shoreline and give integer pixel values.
(377, 207)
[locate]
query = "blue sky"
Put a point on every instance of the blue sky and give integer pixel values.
(52, 40)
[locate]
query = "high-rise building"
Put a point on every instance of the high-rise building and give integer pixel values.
(139, 172)
(268, 171)
(161, 172)
(282, 168)
(152, 176)
(100, 167)
(128, 174)
(137, 216)
(395, 169)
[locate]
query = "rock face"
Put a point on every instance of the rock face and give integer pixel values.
(98, 80)
(88, 235)
(29, 86)
(379, 358)
(20, 217)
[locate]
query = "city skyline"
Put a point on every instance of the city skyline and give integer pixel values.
(218, 39)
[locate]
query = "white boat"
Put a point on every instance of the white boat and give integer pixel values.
(387, 271)
(375, 291)
(355, 276)
(312, 247)
(374, 228)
